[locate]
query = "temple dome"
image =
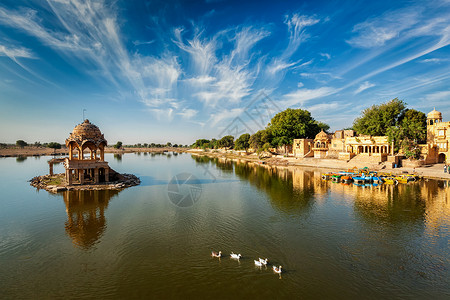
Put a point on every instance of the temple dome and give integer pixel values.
(321, 135)
(434, 114)
(86, 132)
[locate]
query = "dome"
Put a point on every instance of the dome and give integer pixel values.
(434, 114)
(321, 135)
(86, 132)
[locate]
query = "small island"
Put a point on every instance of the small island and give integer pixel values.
(84, 173)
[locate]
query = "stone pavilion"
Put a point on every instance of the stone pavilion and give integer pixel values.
(90, 169)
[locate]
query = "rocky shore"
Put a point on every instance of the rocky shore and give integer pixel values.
(56, 183)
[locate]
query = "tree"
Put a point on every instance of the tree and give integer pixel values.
(37, 144)
(410, 131)
(323, 126)
(169, 144)
(377, 119)
(242, 143)
(226, 142)
(21, 143)
(200, 143)
(292, 124)
(3, 145)
(54, 146)
(118, 145)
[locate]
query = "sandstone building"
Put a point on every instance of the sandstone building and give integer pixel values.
(86, 137)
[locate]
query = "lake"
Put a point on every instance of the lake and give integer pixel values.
(334, 241)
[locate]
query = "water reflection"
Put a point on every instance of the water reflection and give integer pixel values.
(118, 157)
(20, 159)
(86, 220)
(296, 190)
(289, 191)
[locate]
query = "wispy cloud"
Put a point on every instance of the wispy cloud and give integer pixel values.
(326, 55)
(377, 31)
(14, 53)
(302, 95)
(364, 86)
(435, 60)
(296, 25)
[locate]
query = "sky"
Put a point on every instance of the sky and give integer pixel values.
(177, 71)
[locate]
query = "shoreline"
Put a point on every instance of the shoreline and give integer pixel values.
(42, 151)
(435, 171)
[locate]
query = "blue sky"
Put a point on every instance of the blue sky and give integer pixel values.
(158, 71)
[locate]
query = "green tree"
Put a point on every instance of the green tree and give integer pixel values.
(169, 144)
(226, 142)
(410, 131)
(377, 119)
(200, 142)
(323, 126)
(242, 143)
(54, 146)
(21, 143)
(3, 145)
(118, 145)
(292, 124)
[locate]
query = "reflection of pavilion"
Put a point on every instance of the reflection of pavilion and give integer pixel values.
(85, 210)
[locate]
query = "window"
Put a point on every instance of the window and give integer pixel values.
(441, 133)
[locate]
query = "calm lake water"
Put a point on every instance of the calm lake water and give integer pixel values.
(334, 241)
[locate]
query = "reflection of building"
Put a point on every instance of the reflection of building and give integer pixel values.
(86, 136)
(85, 210)
(438, 139)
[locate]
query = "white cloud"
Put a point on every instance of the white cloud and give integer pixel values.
(441, 96)
(377, 31)
(363, 86)
(296, 26)
(434, 60)
(14, 53)
(224, 114)
(301, 96)
(188, 113)
(326, 55)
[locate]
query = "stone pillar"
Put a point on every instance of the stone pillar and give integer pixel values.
(69, 176)
(81, 176)
(50, 167)
(102, 154)
(106, 174)
(70, 152)
(96, 175)
(92, 154)
(80, 154)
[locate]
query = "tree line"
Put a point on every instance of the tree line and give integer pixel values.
(404, 126)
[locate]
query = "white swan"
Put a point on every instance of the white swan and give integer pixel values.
(235, 256)
(258, 263)
(277, 270)
(263, 261)
(215, 254)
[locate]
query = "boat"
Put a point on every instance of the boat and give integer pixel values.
(346, 179)
(336, 177)
(390, 180)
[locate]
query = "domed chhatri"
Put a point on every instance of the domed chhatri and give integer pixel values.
(94, 168)
(86, 135)
(434, 116)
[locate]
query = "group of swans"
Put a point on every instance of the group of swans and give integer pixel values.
(260, 262)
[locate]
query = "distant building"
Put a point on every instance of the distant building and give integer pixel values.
(343, 144)
(438, 139)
